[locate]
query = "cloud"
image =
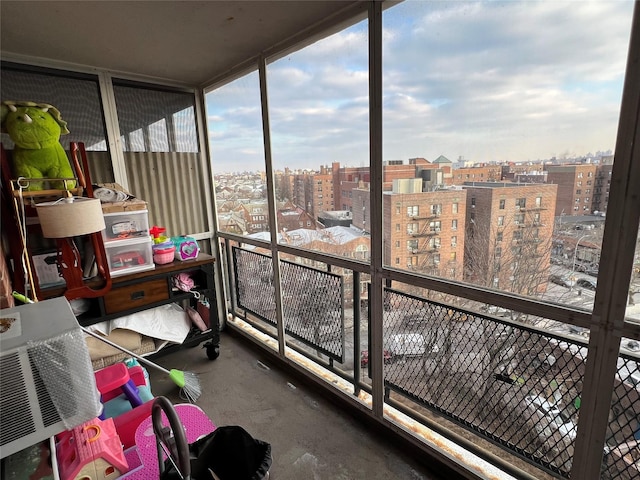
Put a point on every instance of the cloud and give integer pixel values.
(482, 80)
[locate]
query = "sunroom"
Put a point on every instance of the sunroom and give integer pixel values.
(235, 120)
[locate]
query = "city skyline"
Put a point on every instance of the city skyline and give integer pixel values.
(450, 87)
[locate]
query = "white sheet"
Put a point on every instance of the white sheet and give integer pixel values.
(166, 322)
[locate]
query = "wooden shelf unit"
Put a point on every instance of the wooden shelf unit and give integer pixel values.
(140, 291)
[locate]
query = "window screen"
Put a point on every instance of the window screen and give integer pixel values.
(76, 96)
(154, 120)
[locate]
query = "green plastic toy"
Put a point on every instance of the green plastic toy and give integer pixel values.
(35, 128)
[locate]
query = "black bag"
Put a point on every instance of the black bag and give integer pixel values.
(229, 452)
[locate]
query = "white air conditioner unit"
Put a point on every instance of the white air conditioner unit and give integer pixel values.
(437, 229)
(47, 384)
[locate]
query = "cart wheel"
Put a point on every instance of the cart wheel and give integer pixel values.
(213, 351)
(171, 440)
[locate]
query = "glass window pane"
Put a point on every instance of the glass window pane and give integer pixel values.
(496, 108)
(319, 112)
(237, 154)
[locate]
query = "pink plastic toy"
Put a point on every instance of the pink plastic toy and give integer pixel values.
(114, 380)
(91, 450)
(127, 423)
(143, 458)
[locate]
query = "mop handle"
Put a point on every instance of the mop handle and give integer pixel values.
(122, 349)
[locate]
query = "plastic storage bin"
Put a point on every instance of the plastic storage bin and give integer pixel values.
(129, 256)
(125, 225)
(164, 253)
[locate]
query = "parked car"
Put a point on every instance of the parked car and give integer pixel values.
(364, 357)
(558, 280)
(552, 415)
(588, 268)
(586, 283)
(411, 345)
(413, 321)
(632, 345)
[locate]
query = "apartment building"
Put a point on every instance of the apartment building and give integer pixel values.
(345, 180)
(576, 185)
(509, 230)
(601, 187)
(348, 178)
(486, 173)
(524, 173)
(424, 231)
(314, 192)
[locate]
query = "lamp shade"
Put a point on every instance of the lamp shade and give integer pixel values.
(70, 217)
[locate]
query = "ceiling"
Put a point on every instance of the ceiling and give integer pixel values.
(186, 42)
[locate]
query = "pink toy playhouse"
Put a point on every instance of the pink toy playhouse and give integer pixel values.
(91, 451)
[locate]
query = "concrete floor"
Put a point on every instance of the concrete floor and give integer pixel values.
(310, 438)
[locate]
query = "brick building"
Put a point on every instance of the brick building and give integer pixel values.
(509, 234)
(487, 173)
(423, 231)
(576, 185)
(291, 217)
(601, 187)
(348, 178)
(314, 192)
(256, 216)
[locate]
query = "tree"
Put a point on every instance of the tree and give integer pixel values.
(283, 187)
(511, 257)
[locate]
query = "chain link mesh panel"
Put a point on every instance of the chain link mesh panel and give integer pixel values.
(622, 452)
(254, 284)
(515, 385)
(312, 300)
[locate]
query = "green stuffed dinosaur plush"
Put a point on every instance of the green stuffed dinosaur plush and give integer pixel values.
(35, 128)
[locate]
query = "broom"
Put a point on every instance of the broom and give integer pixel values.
(187, 381)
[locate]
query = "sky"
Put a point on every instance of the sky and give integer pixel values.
(483, 81)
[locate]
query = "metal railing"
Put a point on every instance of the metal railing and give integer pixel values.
(515, 385)
(313, 300)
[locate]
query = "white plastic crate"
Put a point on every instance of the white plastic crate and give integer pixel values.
(126, 226)
(129, 256)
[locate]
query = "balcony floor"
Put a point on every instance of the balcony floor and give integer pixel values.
(310, 437)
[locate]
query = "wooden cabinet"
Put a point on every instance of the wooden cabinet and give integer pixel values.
(143, 290)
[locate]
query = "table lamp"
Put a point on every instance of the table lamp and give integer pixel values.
(73, 217)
